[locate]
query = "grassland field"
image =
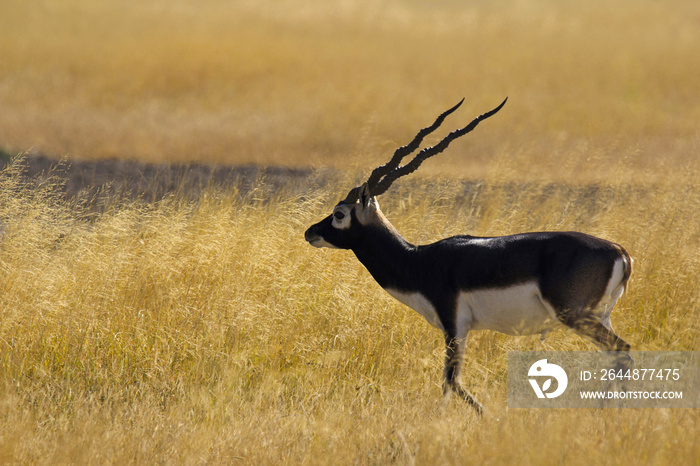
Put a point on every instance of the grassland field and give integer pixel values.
(158, 304)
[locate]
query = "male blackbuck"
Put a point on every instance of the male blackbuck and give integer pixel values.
(522, 284)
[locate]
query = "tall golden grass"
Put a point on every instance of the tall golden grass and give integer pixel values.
(204, 330)
(188, 331)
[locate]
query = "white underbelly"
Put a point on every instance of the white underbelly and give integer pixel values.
(515, 310)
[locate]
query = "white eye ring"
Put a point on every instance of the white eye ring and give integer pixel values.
(339, 215)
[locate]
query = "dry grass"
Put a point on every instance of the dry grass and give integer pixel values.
(315, 82)
(191, 331)
(204, 330)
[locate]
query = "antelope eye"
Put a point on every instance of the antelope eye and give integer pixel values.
(339, 215)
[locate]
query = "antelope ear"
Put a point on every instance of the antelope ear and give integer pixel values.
(365, 195)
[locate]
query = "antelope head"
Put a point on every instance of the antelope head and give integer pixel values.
(360, 209)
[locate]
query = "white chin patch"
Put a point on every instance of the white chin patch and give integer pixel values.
(322, 243)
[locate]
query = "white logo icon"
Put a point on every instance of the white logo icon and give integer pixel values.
(543, 369)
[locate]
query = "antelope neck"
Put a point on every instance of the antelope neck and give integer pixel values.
(388, 257)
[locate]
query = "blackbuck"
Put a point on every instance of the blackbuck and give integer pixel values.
(522, 284)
